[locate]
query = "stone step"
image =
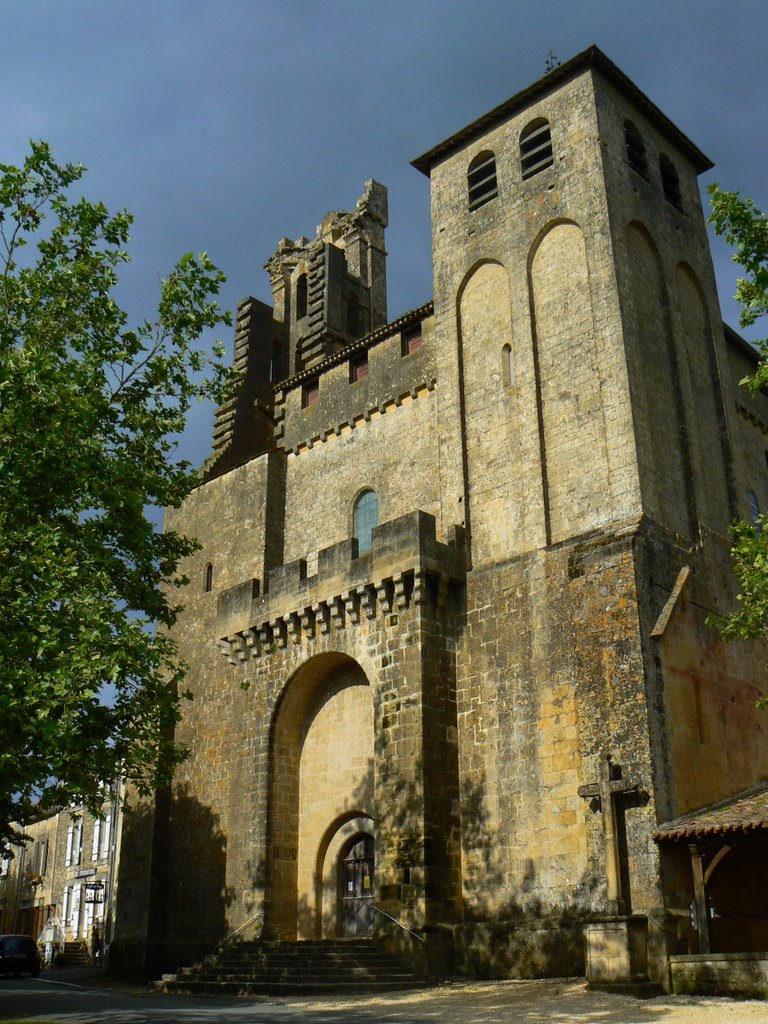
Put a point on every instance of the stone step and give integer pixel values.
(310, 978)
(281, 968)
(75, 954)
(278, 988)
(313, 957)
(304, 967)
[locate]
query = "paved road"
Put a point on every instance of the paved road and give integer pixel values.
(512, 1002)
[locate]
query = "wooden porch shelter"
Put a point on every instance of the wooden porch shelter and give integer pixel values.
(715, 864)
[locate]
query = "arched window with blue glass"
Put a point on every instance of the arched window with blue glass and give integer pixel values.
(365, 516)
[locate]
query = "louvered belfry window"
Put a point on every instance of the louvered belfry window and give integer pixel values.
(670, 181)
(481, 180)
(535, 148)
(636, 157)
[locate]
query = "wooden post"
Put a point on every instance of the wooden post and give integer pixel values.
(700, 899)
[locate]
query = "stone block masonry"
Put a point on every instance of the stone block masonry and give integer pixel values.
(455, 569)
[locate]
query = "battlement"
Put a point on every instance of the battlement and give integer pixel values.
(406, 561)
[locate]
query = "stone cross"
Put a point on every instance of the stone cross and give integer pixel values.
(606, 791)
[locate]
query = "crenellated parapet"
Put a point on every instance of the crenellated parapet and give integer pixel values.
(407, 566)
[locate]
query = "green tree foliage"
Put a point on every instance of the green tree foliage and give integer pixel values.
(89, 409)
(745, 228)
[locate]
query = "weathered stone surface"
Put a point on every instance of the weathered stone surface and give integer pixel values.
(552, 442)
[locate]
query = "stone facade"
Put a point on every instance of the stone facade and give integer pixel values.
(557, 444)
(66, 870)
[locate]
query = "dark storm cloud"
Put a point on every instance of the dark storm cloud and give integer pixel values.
(224, 126)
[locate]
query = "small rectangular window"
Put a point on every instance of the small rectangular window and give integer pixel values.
(358, 368)
(412, 340)
(310, 394)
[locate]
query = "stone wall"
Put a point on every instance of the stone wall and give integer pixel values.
(556, 468)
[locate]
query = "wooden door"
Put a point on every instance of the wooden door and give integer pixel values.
(357, 887)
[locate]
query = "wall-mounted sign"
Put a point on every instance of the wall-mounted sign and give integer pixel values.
(85, 872)
(94, 892)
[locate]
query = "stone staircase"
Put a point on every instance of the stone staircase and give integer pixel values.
(75, 954)
(340, 966)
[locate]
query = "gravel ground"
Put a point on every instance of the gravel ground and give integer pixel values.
(565, 1001)
(559, 1001)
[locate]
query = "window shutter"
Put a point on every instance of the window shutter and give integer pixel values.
(70, 837)
(105, 836)
(96, 837)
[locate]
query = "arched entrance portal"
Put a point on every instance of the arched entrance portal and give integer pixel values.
(358, 885)
(321, 793)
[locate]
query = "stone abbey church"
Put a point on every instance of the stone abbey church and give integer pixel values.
(446, 630)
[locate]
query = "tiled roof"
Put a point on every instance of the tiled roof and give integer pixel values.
(745, 812)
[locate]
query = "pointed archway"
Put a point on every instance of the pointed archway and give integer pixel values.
(321, 777)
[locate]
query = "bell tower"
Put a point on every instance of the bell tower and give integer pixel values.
(333, 289)
(579, 318)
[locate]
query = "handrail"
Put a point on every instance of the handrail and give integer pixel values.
(241, 928)
(395, 921)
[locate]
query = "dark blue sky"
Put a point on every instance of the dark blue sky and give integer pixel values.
(226, 125)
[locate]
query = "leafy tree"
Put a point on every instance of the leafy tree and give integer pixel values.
(89, 408)
(745, 228)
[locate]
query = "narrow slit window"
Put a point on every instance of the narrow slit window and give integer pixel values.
(636, 156)
(535, 148)
(670, 182)
(365, 518)
(507, 366)
(482, 185)
(301, 296)
(208, 577)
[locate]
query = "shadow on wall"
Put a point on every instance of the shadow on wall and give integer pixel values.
(483, 922)
(508, 929)
(161, 918)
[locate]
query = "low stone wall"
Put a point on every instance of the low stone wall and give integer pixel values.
(530, 947)
(728, 974)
